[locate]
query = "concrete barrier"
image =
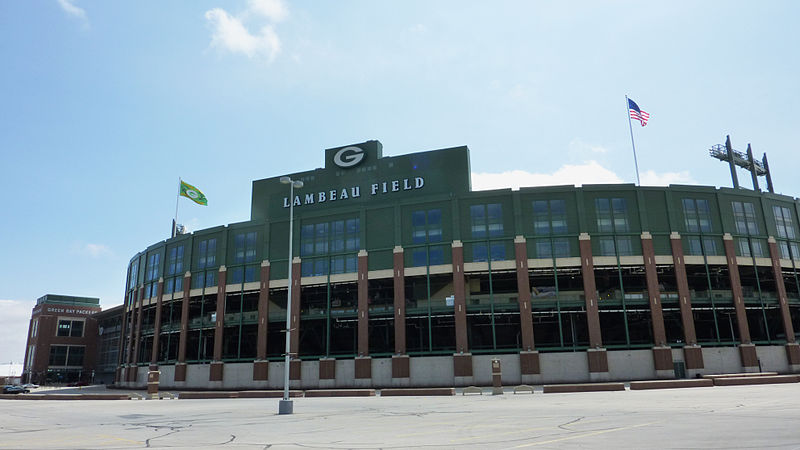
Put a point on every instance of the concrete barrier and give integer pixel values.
(417, 392)
(671, 384)
(191, 395)
(740, 375)
(268, 394)
(64, 397)
(739, 381)
(341, 393)
(583, 387)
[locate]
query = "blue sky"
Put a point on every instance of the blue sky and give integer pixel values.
(103, 105)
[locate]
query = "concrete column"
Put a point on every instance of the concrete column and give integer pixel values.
(294, 365)
(400, 361)
(747, 350)
(216, 369)
(596, 354)
(180, 367)
(462, 360)
(662, 353)
(528, 357)
(792, 348)
(692, 353)
(363, 363)
(261, 365)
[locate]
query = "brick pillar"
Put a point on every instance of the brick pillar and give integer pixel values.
(598, 359)
(133, 372)
(123, 341)
(294, 364)
(157, 324)
(792, 348)
(747, 350)
(400, 361)
(662, 353)
(462, 360)
(216, 369)
(180, 367)
(363, 363)
(692, 353)
(261, 365)
(528, 357)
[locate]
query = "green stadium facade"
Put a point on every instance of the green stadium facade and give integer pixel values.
(404, 276)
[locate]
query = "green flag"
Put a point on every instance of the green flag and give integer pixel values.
(193, 194)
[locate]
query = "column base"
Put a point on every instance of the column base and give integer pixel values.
(401, 366)
(153, 377)
(693, 355)
(529, 363)
(598, 361)
(180, 372)
(793, 356)
(749, 357)
(662, 359)
(261, 370)
(327, 373)
(295, 373)
(363, 367)
(215, 371)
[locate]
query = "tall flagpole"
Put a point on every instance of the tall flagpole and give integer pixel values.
(177, 199)
(635, 163)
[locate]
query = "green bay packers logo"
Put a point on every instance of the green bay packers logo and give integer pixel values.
(348, 157)
(192, 194)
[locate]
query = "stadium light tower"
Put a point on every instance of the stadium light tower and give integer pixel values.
(285, 405)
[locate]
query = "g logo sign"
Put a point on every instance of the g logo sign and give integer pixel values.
(348, 156)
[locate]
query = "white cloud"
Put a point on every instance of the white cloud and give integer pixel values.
(14, 329)
(230, 33)
(92, 250)
(72, 10)
(274, 10)
(590, 172)
(652, 178)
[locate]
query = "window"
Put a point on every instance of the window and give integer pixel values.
(152, 274)
(207, 254)
(71, 328)
(35, 328)
(426, 228)
(744, 216)
(487, 223)
(697, 219)
(244, 246)
(133, 274)
(549, 218)
(174, 270)
(786, 230)
(330, 247)
(66, 355)
(612, 217)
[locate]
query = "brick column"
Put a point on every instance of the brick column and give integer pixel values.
(123, 339)
(400, 361)
(662, 353)
(153, 374)
(747, 350)
(261, 365)
(792, 348)
(180, 367)
(363, 363)
(598, 359)
(528, 357)
(294, 364)
(215, 372)
(157, 325)
(462, 360)
(133, 371)
(692, 353)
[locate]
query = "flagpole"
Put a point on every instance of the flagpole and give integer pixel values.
(635, 162)
(177, 199)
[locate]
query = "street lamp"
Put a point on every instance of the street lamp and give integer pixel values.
(285, 405)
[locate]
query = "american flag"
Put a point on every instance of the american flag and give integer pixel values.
(637, 113)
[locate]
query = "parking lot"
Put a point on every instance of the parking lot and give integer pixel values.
(765, 416)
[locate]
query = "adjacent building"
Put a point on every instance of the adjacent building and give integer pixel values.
(405, 276)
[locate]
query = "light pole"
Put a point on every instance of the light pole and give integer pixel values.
(285, 405)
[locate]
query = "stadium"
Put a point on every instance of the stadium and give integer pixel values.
(404, 276)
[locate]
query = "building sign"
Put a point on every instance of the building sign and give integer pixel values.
(348, 156)
(383, 187)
